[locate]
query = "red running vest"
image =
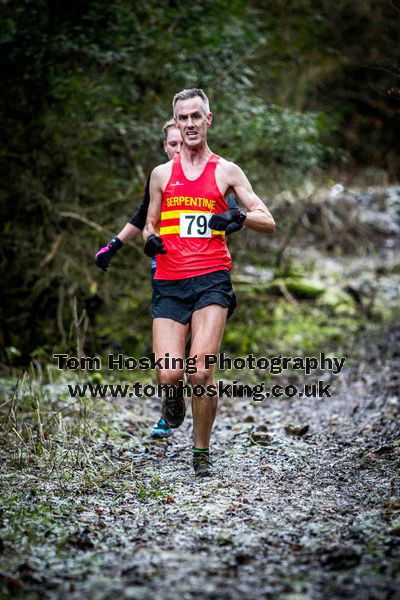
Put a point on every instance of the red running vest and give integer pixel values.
(193, 249)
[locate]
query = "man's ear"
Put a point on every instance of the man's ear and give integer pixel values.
(209, 119)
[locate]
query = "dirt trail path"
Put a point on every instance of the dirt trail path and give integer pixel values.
(301, 517)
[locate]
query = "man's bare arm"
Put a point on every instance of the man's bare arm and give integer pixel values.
(258, 216)
(154, 212)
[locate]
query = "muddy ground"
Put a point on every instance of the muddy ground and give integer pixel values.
(303, 516)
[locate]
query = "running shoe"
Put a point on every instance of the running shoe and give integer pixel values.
(173, 411)
(161, 429)
(202, 465)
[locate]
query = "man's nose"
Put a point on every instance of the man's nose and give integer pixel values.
(190, 122)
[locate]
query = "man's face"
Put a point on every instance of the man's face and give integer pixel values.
(191, 121)
(173, 142)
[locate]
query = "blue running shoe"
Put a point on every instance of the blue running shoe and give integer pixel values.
(161, 429)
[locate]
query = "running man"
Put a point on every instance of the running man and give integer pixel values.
(172, 145)
(192, 288)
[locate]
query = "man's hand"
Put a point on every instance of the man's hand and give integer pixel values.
(221, 221)
(154, 245)
(233, 228)
(105, 254)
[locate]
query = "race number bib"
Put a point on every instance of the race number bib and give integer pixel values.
(195, 225)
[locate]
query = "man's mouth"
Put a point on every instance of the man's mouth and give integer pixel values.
(191, 134)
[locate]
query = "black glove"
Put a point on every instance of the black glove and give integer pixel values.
(154, 245)
(221, 221)
(233, 228)
(105, 254)
(232, 203)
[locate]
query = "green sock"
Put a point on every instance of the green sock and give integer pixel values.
(200, 451)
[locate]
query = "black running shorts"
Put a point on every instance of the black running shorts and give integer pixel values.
(178, 299)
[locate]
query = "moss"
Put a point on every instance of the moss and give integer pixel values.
(265, 324)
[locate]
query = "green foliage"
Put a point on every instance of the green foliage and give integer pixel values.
(285, 142)
(276, 327)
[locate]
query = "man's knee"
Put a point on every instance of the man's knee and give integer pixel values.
(202, 377)
(170, 377)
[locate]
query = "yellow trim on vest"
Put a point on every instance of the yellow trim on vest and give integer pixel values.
(170, 214)
(170, 229)
(177, 229)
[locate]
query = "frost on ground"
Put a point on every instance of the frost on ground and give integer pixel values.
(286, 516)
